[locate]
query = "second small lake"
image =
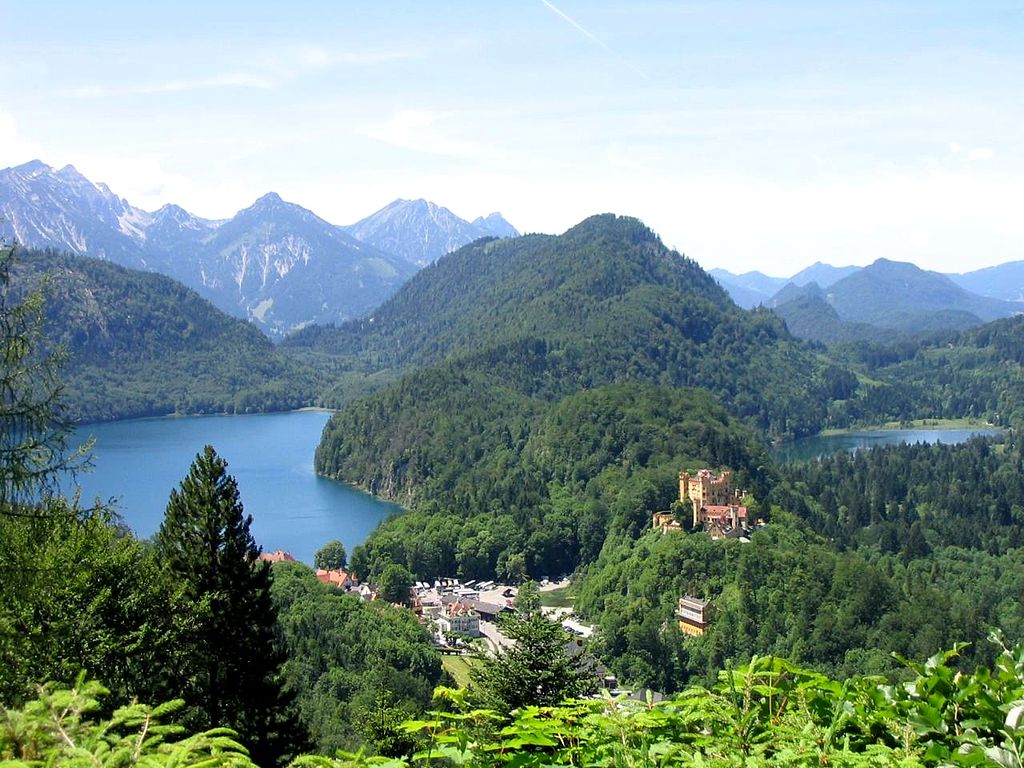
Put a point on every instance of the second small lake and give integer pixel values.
(823, 445)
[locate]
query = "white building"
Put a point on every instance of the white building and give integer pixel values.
(459, 619)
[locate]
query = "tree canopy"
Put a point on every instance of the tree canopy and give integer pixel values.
(331, 556)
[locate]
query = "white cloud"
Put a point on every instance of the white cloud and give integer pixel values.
(429, 132)
(972, 153)
(14, 150)
(225, 80)
(145, 182)
(266, 71)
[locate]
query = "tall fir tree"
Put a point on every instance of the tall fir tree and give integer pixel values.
(537, 670)
(228, 666)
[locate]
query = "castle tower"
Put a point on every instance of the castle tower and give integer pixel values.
(705, 489)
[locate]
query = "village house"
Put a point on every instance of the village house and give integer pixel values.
(459, 619)
(335, 577)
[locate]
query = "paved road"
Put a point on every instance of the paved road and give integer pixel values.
(495, 639)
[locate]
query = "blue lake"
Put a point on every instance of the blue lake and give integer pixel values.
(823, 445)
(137, 463)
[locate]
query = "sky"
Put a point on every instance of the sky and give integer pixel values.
(749, 135)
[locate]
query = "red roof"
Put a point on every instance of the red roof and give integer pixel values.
(720, 511)
(338, 576)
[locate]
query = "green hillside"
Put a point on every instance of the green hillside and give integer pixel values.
(499, 484)
(808, 315)
(609, 303)
(141, 344)
(975, 373)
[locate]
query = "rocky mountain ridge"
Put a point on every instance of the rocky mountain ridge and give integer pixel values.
(422, 232)
(274, 263)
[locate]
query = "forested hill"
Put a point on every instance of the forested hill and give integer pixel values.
(594, 331)
(568, 287)
(976, 373)
(499, 483)
(141, 344)
(606, 302)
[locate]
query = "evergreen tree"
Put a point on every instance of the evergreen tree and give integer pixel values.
(228, 665)
(528, 597)
(538, 670)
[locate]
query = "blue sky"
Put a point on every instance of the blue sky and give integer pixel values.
(749, 135)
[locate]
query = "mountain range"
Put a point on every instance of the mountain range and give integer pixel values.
(883, 299)
(750, 289)
(284, 268)
(880, 301)
(274, 263)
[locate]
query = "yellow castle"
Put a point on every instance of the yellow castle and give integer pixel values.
(717, 507)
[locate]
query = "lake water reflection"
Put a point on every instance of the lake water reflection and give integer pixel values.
(137, 463)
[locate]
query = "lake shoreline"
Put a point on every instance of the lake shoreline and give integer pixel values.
(827, 443)
(171, 416)
(914, 424)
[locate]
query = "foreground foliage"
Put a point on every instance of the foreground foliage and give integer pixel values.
(61, 727)
(768, 713)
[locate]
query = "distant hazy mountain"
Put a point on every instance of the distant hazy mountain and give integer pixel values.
(753, 288)
(274, 263)
(421, 232)
(888, 290)
(749, 289)
(822, 274)
(791, 291)
(892, 296)
(495, 224)
(1005, 281)
(43, 207)
(285, 267)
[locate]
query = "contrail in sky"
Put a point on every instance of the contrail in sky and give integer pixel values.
(591, 36)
